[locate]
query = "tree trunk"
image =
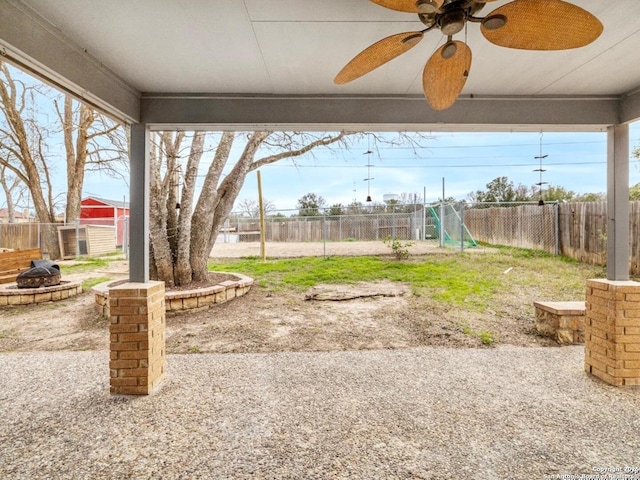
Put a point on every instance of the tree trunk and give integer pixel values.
(195, 232)
(170, 149)
(158, 221)
(76, 155)
(8, 192)
(202, 218)
(183, 265)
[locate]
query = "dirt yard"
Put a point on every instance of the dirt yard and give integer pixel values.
(341, 317)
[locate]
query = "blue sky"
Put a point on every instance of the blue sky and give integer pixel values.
(467, 162)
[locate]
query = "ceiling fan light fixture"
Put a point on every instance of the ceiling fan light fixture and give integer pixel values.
(494, 22)
(449, 50)
(426, 6)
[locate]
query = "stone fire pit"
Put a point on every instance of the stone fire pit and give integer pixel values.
(41, 283)
(43, 273)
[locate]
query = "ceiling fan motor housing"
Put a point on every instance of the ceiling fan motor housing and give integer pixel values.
(452, 22)
(447, 18)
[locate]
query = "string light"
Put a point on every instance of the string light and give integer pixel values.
(540, 170)
(368, 179)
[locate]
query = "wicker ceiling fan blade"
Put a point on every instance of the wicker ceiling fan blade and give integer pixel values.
(377, 54)
(541, 25)
(411, 6)
(446, 73)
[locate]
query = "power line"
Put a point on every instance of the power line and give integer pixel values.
(497, 145)
(449, 165)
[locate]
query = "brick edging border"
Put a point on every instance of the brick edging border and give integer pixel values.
(180, 300)
(27, 296)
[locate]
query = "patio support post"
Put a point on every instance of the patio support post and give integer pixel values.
(137, 314)
(612, 307)
(618, 202)
(139, 198)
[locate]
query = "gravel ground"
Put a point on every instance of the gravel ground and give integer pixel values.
(424, 413)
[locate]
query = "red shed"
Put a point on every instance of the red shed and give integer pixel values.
(101, 211)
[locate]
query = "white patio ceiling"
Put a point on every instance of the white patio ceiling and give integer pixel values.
(272, 62)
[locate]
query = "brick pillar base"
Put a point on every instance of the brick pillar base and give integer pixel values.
(137, 328)
(612, 331)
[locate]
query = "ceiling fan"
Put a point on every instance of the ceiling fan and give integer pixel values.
(521, 24)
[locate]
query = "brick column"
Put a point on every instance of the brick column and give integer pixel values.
(137, 328)
(612, 331)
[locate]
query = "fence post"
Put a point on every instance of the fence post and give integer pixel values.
(461, 227)
(77, 238)
(125, 236)
(441, 225)
(393, 221)
(556, 211)
(424, 221)
(324, 233)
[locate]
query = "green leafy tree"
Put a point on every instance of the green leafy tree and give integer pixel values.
(336, 210)
(634, 192)
(590, 197)
(355, 208)
(499, 190)
(557, 194)
(310, 204)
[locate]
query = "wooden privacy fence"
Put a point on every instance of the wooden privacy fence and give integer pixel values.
(576, 230)
(583, 232)
(19, 236)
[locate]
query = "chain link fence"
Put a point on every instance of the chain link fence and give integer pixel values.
(463, 225)
(523, 225)
(406, 223)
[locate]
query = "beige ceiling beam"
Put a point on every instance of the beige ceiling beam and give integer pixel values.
(380, 113)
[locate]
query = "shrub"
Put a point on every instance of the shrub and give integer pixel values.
(400, 248)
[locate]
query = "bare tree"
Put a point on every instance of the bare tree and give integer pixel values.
(183, 232)
(9, 185)
(251, 208)
(90, 141)
(24, 142)
(197, 226)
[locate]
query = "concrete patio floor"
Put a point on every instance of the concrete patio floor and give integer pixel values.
(431, 413)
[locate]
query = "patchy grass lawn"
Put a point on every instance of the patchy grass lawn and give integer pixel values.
(475, 299)
(478, 299)
(469, 280)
